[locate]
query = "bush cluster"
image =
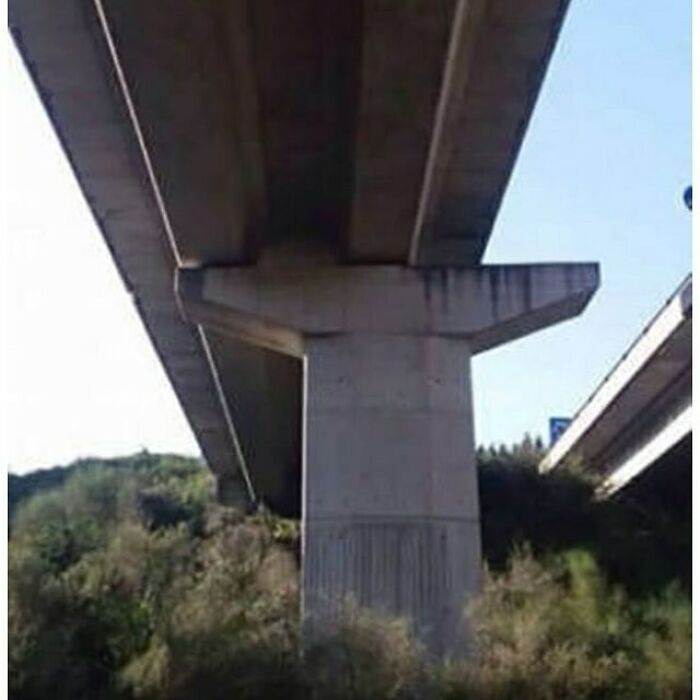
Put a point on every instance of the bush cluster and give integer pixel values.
(129, 582)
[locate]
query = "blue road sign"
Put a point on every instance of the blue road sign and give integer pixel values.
(556, 427)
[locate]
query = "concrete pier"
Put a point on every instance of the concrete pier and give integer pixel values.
(390, 509)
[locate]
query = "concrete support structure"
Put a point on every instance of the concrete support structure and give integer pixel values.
(369, 140)
(641, 412)
(390, 501)
(391, 514)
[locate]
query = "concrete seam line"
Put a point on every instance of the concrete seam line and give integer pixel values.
(137, 128)
(126, 94)
(227, 417)
(460, 17)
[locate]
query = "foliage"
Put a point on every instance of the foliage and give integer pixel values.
(557, 630)
(170, 468)
(365, 656)
(638, 544)
(129, 582)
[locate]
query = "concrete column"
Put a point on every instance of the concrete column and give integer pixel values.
(390, 501)
(390, 504)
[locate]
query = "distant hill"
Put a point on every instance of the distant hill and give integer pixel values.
(21, 487)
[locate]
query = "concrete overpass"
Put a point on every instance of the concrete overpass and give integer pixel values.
(320, 180)
(635, 430)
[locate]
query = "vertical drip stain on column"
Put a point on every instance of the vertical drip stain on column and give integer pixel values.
(395, 567)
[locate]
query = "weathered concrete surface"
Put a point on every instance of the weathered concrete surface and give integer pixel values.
(390, 510)
(642, 408)
(205, 132)
(486, 115)
(376, 132)
(389, 498)
(63, 47)
(267, 412)
(488, 305)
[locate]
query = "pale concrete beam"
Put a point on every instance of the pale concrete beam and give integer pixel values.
(235, 322)
(522, 299)
(643, 456)
(400, 65)
(488, 306)
(65, 50)
(513, 45)
(648, 355)
(265, 400)
(465, 23)
(189, 69)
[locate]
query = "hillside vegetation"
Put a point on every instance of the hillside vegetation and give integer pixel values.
(128, 581)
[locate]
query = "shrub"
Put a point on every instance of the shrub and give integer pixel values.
(133, 584)
(560, 631)
(364, 656)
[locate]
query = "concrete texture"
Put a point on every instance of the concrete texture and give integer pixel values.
(226, 133)
(267, 413)
(309, 139)
(642, 408)
(389, 500)
(63, 47)
(489, 305)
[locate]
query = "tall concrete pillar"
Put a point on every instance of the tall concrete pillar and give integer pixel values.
(390, 502)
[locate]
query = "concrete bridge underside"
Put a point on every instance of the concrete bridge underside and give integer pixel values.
(325, 178)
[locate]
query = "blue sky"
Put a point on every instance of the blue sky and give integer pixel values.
(600, 177)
